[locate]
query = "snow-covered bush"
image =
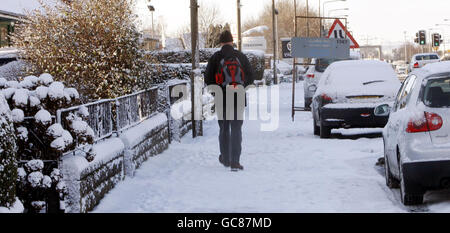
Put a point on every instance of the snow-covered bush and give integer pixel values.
(34, 186)
(83, 42)
(35, 101)
(8, 156)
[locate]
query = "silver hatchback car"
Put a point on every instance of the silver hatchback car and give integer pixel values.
(417, 135)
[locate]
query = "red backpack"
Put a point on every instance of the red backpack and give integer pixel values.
(230, 72)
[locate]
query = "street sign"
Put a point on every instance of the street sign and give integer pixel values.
(320, 48)
(254, 43)
(286, 47)
(338, 30)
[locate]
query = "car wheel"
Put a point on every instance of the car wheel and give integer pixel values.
(308, 105)
(325, 132)
(391, 182)
(316, 128)
(408, 198)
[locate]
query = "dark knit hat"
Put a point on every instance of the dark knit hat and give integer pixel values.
(226, 37)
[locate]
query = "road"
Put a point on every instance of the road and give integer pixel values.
(288, 170)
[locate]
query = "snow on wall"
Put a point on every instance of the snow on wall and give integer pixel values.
(147, 139)
(87, 183)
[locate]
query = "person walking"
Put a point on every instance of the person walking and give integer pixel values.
(229, 69)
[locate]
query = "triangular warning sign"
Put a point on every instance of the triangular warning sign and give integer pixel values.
(338, 30)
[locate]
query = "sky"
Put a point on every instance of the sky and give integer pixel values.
(373, 21)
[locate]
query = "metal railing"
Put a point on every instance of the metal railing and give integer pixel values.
(99, 119)
(135, 108)
(110, 116)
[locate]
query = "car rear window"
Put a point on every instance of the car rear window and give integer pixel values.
(427, 57)
(437, 93)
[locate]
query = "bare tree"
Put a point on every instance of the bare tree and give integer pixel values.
(285, 22)
(209, 14)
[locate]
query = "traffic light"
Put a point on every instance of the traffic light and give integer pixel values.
(436, 40)
(416, 40)
(422, 37)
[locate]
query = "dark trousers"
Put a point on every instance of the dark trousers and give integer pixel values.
(230, 139)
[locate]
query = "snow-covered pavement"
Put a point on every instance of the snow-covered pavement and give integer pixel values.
(289, 170)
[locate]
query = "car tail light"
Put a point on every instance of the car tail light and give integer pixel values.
(310, 75)
(430, 122)
(416, 65)
(326, 98)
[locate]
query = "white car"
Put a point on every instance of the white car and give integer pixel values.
(417, 135)
(421, 59)
(348, 93)
(314, 73)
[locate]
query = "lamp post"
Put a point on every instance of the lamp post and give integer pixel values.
(239, 44)
(275, 45)
(152, 9)
(323, 6)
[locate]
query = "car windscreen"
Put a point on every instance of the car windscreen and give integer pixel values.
(436, 93)
(427, 57)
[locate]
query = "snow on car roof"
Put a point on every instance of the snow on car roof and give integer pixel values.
(359, 77)
(434, 68)
(357, 70)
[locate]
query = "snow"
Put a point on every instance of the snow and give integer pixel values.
(35, 179)
(42, 92)
(58, 144)
(288, 170)
(22, 133)
(43, 117)
(434, 68)
(138, 133)
(79, 127)
(45, 79)
(47, 182)
(72, 92)
(347, 78)
(83, 111)
(34, 165)
(9, 92)
(34, 101)
(258, 29)
(13, 84)
(15, 209)
(56, 91)
(105, 152)
(2, 82)
(55, 130)
(21, 173)
(20, 98)
(17, 115)
(68, 139)
(29, 82)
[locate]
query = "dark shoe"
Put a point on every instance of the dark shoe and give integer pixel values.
(236, 167)
(224, 163)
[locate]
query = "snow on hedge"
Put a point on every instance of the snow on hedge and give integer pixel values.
(39, 98)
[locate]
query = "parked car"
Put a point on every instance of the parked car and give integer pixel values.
(421, 59)
(348, 93)
(314, 73)
(417, 135)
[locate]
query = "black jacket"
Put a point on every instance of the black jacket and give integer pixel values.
(214, 63)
